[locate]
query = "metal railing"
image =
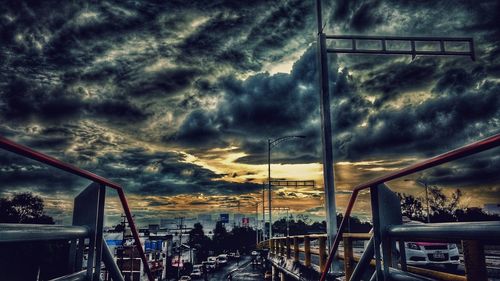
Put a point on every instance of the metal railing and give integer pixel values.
(291, 247)
(464, 151)
(43, 158)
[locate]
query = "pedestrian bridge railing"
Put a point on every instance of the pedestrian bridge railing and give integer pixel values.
(388, 260)
(88, 218)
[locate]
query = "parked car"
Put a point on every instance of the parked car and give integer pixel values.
(212, 263)
(197, 271)
(426, 253)
(222, 259)
(185, 278)
(430, 253)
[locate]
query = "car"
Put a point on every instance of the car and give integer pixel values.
(254, 253)
(185, 278)
(222, 259)
(212, 263)
(197, 271)
(430, 253)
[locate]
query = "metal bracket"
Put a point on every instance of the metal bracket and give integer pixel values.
(88, 211)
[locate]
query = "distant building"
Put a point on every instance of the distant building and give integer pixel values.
(492, 208)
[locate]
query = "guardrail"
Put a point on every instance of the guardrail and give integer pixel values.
(464, 151)
(103, 182)
(291, 247)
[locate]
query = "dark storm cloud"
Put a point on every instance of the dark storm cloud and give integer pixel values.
(395, 78)
(26, 100)
(437, 124)
(480, 169)
(20, 173)
(189, 74)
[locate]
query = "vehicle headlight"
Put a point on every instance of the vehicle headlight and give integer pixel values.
(412, 246)
(452, 246)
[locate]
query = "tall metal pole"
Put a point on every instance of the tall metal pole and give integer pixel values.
(427, 199)
(269, 187)
(287, 224)
(263, 213)
(257, 223)
(326, 132)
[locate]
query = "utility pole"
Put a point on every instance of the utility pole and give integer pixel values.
(263, 213)
(270, 144)
(181, 219)
(269, 187)
(257, 223)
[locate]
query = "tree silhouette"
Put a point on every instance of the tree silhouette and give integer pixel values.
(199, 241)
(444, 208)
(23, 208)
(219, 238)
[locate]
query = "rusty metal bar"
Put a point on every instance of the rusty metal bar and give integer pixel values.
(295, 249)
(348, 258)
(51, 161)
(474, 260)
(288, 248)
(322, 254)
(282, 247)
(13, 232)
(307, 251)
(461, 152)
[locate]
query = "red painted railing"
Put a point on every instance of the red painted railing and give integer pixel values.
(464, 151)
(40, 157)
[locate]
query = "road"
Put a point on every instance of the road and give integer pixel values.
(240, 271)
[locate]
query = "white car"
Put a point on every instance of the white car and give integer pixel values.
(430, 253)
(212, 263)
(426, 253)
(196, 273)
(185, 278)
(222, 259)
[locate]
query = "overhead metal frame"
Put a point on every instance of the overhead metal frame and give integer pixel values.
(412, 43)
(287, 183)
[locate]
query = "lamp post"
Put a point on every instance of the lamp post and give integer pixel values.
(424, 183)
(271, 144)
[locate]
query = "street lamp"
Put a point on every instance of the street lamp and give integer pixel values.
(271, 144)
(424, 183)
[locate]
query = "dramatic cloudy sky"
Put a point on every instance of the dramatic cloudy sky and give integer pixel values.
(175, 100)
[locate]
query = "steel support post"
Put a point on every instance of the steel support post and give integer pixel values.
(269, 187)
(348, 258)
(263, 212)
(307, 251)
(288, 248)
(326, 132)
(322, 254)
(295, 249)
(474, 259)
